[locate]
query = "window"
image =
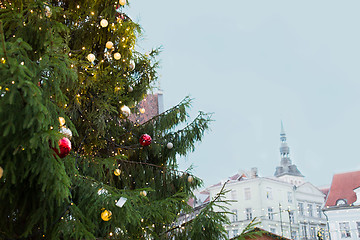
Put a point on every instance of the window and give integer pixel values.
(248, 212)
(318, 209)
(270, 213)
(233, 194)
(310, 209)
(345, 230)
(235, 233)
(304, 231)
(291, 217)
(269, 193)
(290, 197)
(293, 235)
(247, 193)
(358, 228)
(312, 233)
(234, 216)
(273, 230)
(301, 208)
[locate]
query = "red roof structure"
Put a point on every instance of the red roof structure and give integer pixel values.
(342, 187)
(262, 235)
(151, 106)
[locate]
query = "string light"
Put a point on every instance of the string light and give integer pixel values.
(117, 56)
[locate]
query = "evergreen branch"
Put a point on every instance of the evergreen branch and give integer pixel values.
(153, 165)
(249, 231)
(3, 44)
(186, 100)
(207, 208)
(195, 121)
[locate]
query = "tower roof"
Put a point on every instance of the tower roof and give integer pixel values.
(286, 167)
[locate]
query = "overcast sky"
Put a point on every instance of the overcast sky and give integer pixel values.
(257, 62)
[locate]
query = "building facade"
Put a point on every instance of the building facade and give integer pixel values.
(342, 206)
(285, 204)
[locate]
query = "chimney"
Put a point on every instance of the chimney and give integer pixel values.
(254, 172)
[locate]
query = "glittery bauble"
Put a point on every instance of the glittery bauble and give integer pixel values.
(125, 110)
(117, 172)
(1, 172)
(64, 146)
(48, 11)
(106, 215)
(66, 131)
(170, 145)
(145, 140)
(143, 193)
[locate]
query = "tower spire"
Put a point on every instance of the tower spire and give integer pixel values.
(284, 148)
(282, 133)
(286, 167)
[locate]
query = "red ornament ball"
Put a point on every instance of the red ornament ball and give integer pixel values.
(145, 140)
(64, 147)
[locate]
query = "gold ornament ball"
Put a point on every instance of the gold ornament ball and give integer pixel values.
(109, 44)
(190, 179)
(143, 193)
(142, 110)
(117, 56)
(122, 2)
(117, 172)
(104, 23)
(61, 121)
(1, 172)
(91, 57)
(106, 215)
(130, 89)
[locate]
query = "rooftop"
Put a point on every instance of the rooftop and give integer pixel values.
(342, 187)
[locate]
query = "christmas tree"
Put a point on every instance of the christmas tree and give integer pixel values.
(72, 163)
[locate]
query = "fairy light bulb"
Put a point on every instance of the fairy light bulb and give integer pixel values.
(104, 23)
(109, 45)
(190, 179)
(117, 56)
(91, 57)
